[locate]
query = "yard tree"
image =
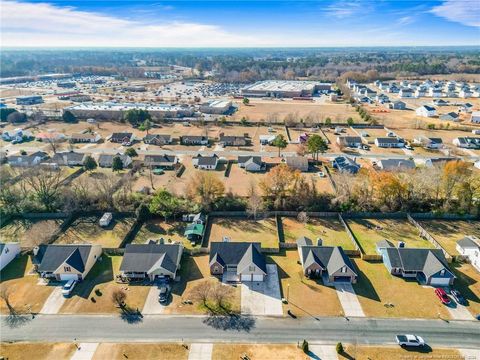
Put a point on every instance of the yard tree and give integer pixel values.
(131, 152)
(119, 297)
(328, 121)
(280, 142)
(117, 163)
(16, 117)
(316, 144)
(222, 294)
(5, 295)
(279, 184)
(246, 101)
(303, 217)
(453, 173)
(202, 292)
(205, 189)
(164, 204)
(45, 185)
(146, 126)
(254, 202)
(89, 163)
(105, 186)
(137, 116)
(350, 121)
(4, 112)
(69, 117)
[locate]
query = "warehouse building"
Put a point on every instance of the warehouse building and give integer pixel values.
(285, 88)
(219, 107)
(116, 111)
(29, 100)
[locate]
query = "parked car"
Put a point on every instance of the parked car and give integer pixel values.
(321, 174)
(442, 295)
(68, 287)
(408, 147)
(457, 295)
(163, 295)
(409, 340)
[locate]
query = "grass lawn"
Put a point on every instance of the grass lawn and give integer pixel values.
(87, 230)
(26, 231)
(241, 230)
(42, 351)
(156, 229)
(468, 283)
(194, 272)
(397, 353)
(448, 232)
(257, 352)
(25, 294)
(376, 287)
(100, 285)
(371, 231)
(330, 230)
(306, 297)
(140, 352)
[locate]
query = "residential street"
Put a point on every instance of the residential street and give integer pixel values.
(91, 328)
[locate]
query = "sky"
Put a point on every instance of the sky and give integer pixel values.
(239, 23)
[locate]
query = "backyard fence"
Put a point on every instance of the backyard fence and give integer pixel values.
(350, 234)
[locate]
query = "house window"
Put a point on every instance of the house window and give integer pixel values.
(67, 268)
(251, 268)
(344, 269)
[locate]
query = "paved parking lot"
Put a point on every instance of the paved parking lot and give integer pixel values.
(348, 299)
(152, 305)
(262, 298)
(54, 301)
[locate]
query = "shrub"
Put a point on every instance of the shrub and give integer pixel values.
(339, 348)
(305, 346)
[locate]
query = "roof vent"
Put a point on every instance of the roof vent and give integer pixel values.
(401, 244)
(226, 239)
(319, 242)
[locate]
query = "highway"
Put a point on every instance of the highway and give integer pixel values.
(172, 328)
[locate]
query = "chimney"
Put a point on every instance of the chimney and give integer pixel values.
(35, 250)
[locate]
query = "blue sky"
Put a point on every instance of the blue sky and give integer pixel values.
(240, 23)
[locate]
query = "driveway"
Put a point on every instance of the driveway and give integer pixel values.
(348, 299)
(470, 354)
(200, 352)
(54, 301)
(459, 312)
(322, 352)
(262, 298)
(85, 351)
(152, 305)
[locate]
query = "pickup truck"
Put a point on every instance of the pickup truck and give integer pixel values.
(409, 340)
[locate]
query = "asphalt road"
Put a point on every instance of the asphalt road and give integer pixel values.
(164, 328)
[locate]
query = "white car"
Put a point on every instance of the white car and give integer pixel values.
(321, 174)
(68, 287)
(409, 340)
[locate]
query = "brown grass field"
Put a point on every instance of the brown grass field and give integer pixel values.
(258, 352)
(25, 230)
(131, 351)
(42, 351)
(396, 353)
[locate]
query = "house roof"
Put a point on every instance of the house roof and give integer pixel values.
(83, 136)
(382, 244)
(149, 257)
(298, 161)
(194, 229)
(391, 164)
(193, 137)
(207, 160)
(169, 159)
(50, 257)
(388, 140)
(465, 243)
(428, 108)
(68, 156)
(428, 261)
(250, 159)
(330, 258)
(107, 160)
(304, 241)
(237, 253)
(121, 136)
(150, 137)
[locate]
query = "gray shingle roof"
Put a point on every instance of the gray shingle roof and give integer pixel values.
(50, 257)
(237, 253)
(466, 242)
(142, 257)
(331, 258)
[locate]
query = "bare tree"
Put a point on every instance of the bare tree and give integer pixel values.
(45, 183)
(221, 294)
(39, 233)
(303, 217)
(119, 297)
(255, 201)
(202, 292)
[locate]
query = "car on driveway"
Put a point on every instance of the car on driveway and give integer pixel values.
(409, 340)
(457, 295)
(68, 287)
(442, 295)
(163, 294)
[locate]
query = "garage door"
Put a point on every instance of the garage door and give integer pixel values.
(246, 278)
(440, 281)
(341, 278)
(66, 277)
(257, 277)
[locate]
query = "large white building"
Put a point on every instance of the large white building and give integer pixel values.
(216, 107)
(285, 88)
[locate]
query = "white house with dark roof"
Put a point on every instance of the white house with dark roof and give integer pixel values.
(396, 164)
(426, 111)
(469, 246)
(205, 162)
(8, 252)
(67, 158)
(390, 142)
(65, 262)
(475, 118)
(251, 163)
(450, 116)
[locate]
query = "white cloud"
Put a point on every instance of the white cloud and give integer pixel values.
(343, 9)
(466, 12)
(405, 20)
(42, 24)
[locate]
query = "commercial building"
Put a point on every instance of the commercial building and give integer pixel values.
(285, 88)
(216, 107)
(29, 100)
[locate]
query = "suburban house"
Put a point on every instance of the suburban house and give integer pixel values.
(467, 142)
(405, 93)
(439, 102)
(426, 111)
(157, 139)
(205, 162)
(65, 262)
(231, 140)
(390, 142)
(193, 140)
(297, 163)
(85, 138)
(469, 246)
(266, 139)
(397, 105)
(251, 163)
(8, 252)
(475, 118)
(428, 266)
(105, 160)
(151, 261)
(350, 141)
(467, 108)
(396, 164)
(465, 93)
(237, 261)
(429, 142)
(67, 158)
(27, 160)
(16, 135)
(122, 138)
(435, 92)
(325, 261)
(451, 116)
(50, 136)
(161, 161)
(346, 164)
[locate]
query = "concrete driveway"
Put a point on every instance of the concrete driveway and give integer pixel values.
(54, 301)
(85, 351)
(152, 305)
(322, 352)
(459, 312)
(262, 298)
(350, 304)
(200, 351)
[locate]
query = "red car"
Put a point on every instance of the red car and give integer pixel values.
(442, 295)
